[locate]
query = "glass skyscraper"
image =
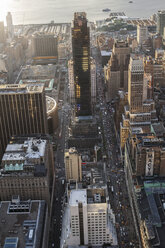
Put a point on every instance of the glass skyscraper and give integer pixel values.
(81, 64)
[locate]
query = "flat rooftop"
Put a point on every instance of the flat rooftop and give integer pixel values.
(38, 71)
(31, 148)
(21, 89)
(17, 221)
(77, 196)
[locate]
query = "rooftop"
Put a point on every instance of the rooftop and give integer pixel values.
(38, 71)
(21, 223)
(77, 196)
(21, 88)
(25, 155)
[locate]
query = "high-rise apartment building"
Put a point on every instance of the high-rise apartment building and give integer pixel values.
(89, 219)
(2, 32)
(161, 22)
(81, 64)
(44, 45)
(22, 111)
(72, 162)
(116, 71)
(10, 27)
(142, 34)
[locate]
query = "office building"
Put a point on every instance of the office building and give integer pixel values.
(148, 153)
(93, 81)
(44, 45)
(24, 223)
(81, 64)
(84, 133)
(73, 165)
(27, 169)
(160, 22)
(10, 27)
(22, 111)
(146, 192)
(2, 33)
(142, 34)
(88, 219)
(140, 111)
(116, 71)
(135, 85)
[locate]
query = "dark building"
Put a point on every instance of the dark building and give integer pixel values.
(81, 61)
(161, 22)
(22, 111)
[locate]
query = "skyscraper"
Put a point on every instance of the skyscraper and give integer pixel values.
(81, 60)
(22, 111)
(140, 112)
(161, 22)
(116, 71)
(10, 27)
(135, 85)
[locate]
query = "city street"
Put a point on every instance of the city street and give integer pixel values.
(115, 172)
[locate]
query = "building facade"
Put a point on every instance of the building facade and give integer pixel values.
(81, 64)
(93, 81)
(27, 169)
(23, 111)
(140, 111)
(90, 219)
(116, 71)
(160, 22)
(44, 45)
(73, 165)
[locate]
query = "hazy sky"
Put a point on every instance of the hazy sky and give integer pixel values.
(37, 11)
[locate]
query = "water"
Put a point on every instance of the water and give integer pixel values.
(43, 11)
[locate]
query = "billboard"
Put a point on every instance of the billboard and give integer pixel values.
(149, 163)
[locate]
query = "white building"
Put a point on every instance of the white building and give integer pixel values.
(88, 219)
(72, 162)
(142, 34)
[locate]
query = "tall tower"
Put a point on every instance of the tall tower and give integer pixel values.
(161, 22)
(81, 60)
(22, 111)
(10, 27)
(135, 85)
(116, 71)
